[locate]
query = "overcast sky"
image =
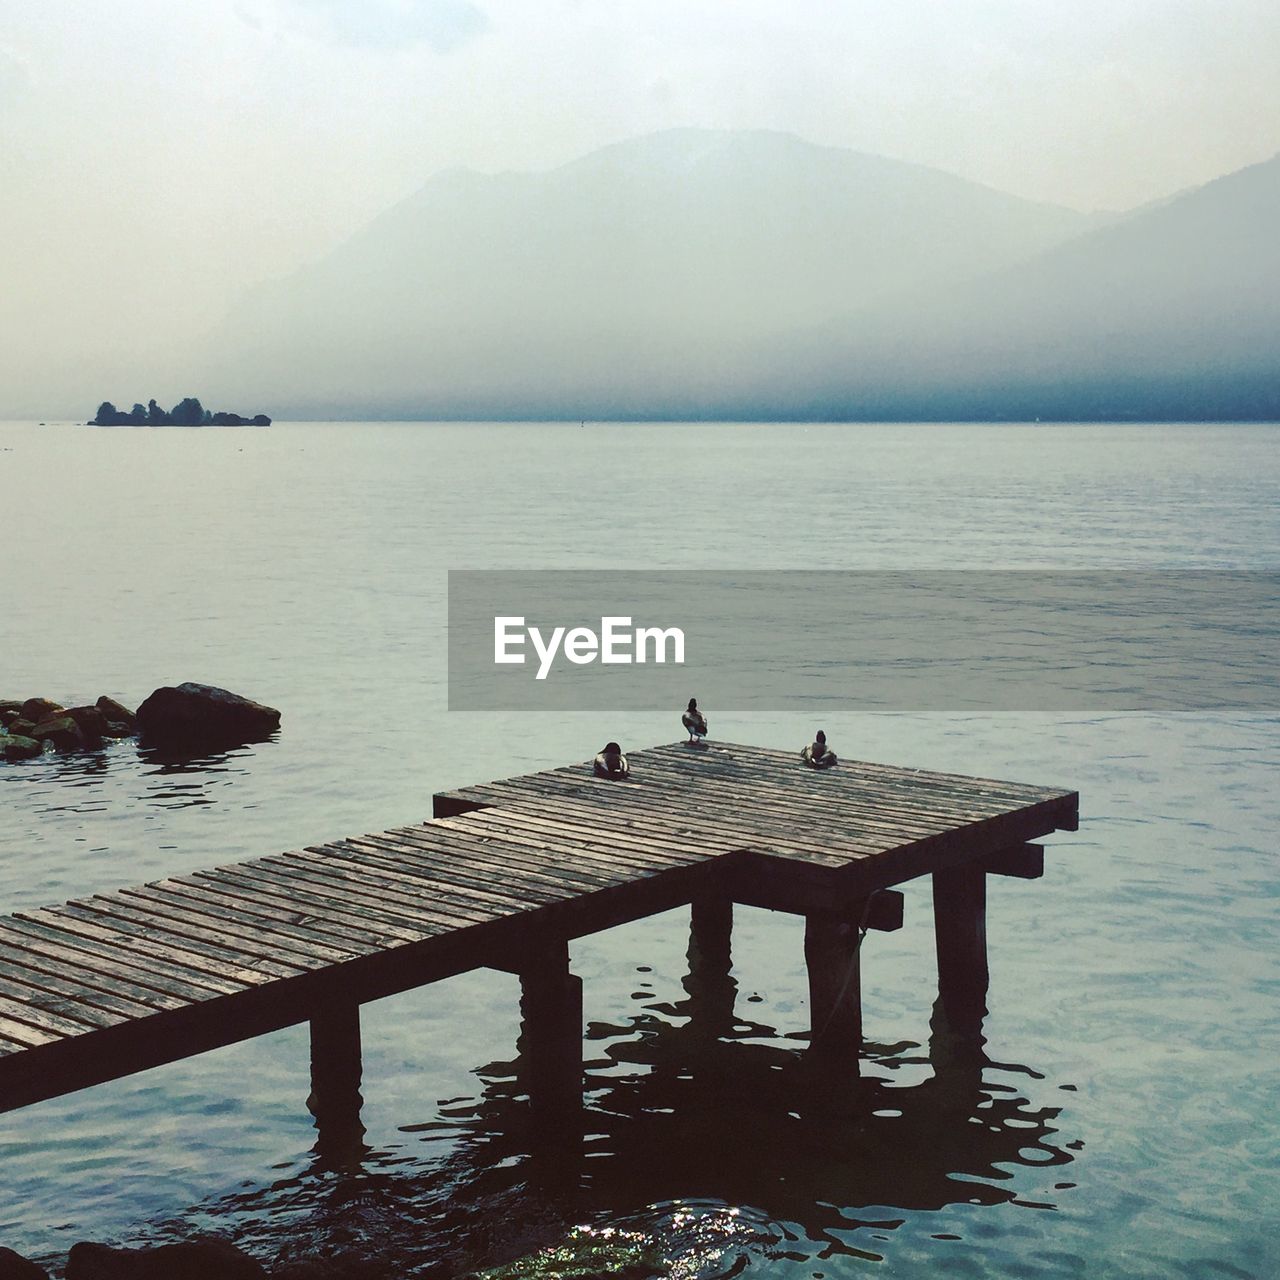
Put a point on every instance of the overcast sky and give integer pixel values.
(169, 154)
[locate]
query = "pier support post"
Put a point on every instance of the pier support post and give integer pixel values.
(710, 935)
(709, 983)
(960, 928)
(551, 1033)
(335, 1099)
(831, 952)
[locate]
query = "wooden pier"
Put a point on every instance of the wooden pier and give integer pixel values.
(505, 875)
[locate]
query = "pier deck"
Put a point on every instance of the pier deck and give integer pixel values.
(503, 876)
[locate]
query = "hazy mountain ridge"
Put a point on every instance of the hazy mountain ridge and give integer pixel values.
(1172, 311)
(698, 273)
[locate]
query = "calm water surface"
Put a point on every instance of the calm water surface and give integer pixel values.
(1126, 1126)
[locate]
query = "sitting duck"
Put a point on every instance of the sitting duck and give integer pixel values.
(817, 754)
(694, 720)
(611, 763)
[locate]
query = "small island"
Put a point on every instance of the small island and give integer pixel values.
(188, 413)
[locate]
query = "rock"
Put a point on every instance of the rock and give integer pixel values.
(19, 747)
(7, 717)
(62, 731)
(93, 724)
(21, 728)
(115, 729)
(201, 715)
(13, 1266)
(117, 713)
(37, 709)
(193, 1260)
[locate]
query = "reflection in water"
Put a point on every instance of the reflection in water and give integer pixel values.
(773, 1156)
(169, 778)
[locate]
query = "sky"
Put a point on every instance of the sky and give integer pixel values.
(157, 158)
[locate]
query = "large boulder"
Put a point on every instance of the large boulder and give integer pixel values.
(21, 728)
(62, 731)
(18, 747)
(117, 714)
(202, 715)
(37, 709)
(9, 711)
(93, 724)
(13, 1266)
(193, 1260)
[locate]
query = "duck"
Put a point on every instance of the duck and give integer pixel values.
(611, 763)
(694, 720)
(817, 755)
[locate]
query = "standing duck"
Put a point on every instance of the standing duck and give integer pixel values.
(694, 720)
(817, 755)
(611, 763)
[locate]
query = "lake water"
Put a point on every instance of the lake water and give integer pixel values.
(1127, 1124)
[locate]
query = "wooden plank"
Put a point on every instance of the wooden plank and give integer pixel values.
(421, 876)
(286, 883)
(486, 889)
(609, 851)
(699, 827)
(1015, 791)
(518, 839)
(23, 1034)
(140, 950)
(40, 1019)
(13, 988)
(370, 894)
(149, 978)
(861, 805)
(281, 937)
(361, 932)
(483, 849)
(217, 945)
(296, 924)
(323, 897)
(17, 966)
(661, 837)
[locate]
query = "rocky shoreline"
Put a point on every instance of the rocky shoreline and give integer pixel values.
(186, 716)
(31, 727)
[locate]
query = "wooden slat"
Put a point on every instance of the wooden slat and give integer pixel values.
(243, 959)
(87, 988)
(137, 951)
(86, 1016)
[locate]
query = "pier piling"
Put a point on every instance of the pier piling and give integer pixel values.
(831, 952)
(551, 1032)
(336, 1067)
(960, 929)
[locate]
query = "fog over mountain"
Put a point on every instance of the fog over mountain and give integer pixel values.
(1172, 312)
(633, 277)
(701, 273)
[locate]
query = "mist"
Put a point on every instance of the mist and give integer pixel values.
(445, 208)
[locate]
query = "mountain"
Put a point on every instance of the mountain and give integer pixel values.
(1172, 312)
(645, 278)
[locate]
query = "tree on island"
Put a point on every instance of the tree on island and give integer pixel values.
(187, 413)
